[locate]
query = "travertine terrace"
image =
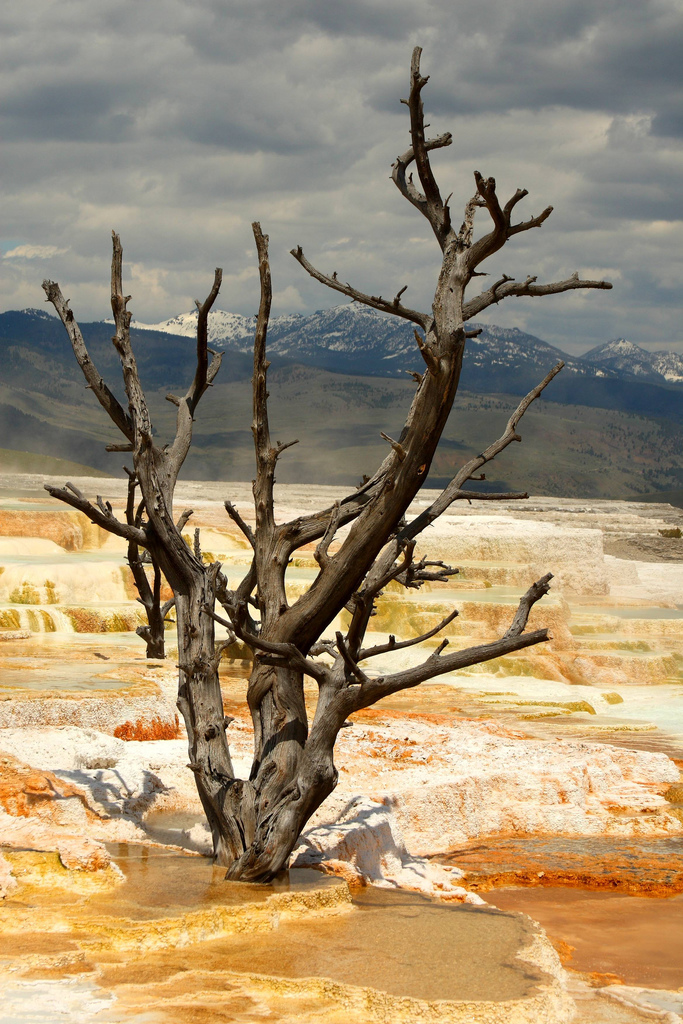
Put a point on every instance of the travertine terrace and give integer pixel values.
(93, 754)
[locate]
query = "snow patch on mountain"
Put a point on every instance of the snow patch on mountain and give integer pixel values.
(41, 314)
(223, 326)
(357, 339)
(627, 357)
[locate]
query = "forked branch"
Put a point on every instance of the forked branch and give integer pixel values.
(204, 373)
(437, 664)
(502, 221)
(394, 306)
(131, 378)
(393, 645)
(283, 652)
(99, 514)
(430, 204)
(507, 286)
(237, 519)
(454, 490)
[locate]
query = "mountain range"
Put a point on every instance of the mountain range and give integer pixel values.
(356, 339)
(611, 424)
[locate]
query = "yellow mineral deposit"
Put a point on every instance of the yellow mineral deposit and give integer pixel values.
(493, 781)
(309, 944)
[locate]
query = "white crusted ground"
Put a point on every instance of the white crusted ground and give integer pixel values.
(409, 787)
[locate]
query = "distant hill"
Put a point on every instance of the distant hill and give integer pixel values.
(337, 378)
(355, 339)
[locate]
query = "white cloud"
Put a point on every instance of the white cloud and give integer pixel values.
(34, 252)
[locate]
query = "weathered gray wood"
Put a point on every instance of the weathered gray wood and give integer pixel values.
(255, 823)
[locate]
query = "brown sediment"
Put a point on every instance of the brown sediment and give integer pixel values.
(639, 941)
(91, 620)
(564, 951)
(70, 529)
(102, 692)
(600, 979)
(148, 729)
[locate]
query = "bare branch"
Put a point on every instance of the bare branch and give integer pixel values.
(354, 673)
(489, 496)
(430, 204)
(392, 645)
(221, 622)
(535, 592)
(375, 301)
(394, 561)
(455, 488)
(507, 287)
(398, 448)
(265, 455)
(100, 516)
(510, 433)
(204, 373)
(282, 446)
(414, 574)
(104, 396)
(321, 552)
(430, 358)
(237, 519)
(182, 521)
(406, 186)
(486, 187)
(121, 339)
(288, 653)
(437, 664)
(495, 239)
(533, 222)
(466, 233)
(203, 378)
(75, 490)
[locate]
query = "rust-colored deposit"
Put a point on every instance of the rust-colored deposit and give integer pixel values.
(641, 867)
(30, 792)
(148, 729)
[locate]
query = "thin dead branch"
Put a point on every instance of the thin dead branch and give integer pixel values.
(374, 301)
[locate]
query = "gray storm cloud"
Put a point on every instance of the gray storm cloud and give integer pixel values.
(178, 123)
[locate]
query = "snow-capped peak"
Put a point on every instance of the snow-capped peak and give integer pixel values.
(223, 326)
(621, 354)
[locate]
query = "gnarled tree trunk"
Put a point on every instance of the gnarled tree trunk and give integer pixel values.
(256, 822)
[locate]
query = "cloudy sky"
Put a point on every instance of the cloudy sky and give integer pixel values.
(178, 123)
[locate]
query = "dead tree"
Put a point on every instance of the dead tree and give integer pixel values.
(255, 822)
(149, 594)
